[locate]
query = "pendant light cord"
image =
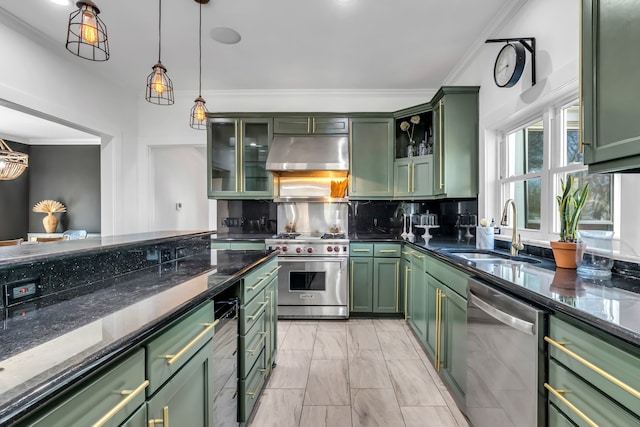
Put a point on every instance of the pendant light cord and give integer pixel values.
(200, 53)
(159, 29)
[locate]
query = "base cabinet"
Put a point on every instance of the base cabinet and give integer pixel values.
(417, 292)
(375, 278)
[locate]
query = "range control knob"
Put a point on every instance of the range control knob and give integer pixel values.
(336, 249)
(285, 249)
(277, 248)
(298, 250)
(310, 250)
(329, 249)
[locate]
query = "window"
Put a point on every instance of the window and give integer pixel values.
(535, 157)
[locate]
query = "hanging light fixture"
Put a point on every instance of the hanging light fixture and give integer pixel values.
(86, 33)
(198, 116)
(12, 163)
(159, 85)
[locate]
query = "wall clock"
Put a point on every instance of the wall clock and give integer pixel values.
(509, 65)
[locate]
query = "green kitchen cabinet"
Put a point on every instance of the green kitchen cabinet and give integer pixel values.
(237, 151)
(386, 285)
(271, 322)
(371, 158)
(413, 177)
(417, 304)
(138, 419)
(184, 399)
(306, 124)
(609, 89)
(455, 148)
(433, 289)
(361, 284)
(453, 348)
(602, 370)
(405, 275)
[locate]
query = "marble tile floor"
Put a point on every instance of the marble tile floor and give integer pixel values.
(360, 372)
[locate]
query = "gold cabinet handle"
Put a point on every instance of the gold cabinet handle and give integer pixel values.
(258, 312)
(172, 358)
(237, 153)
(309, 125)
(413, 177)
(257, 285)
(409, 178)
(240, 173)
(272, 272)
(164, 421)
(130, 395)
(259, 346)
(561, 346)
(351, 284)
(397, 284)
(360, 250)
(406, 253)
(406, 291)
(388, 251)
(440, 142)
(438, 329)
(559, 395)
(418, 256)
(255, 392)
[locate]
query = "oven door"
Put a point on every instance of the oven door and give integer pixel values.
(313, 281)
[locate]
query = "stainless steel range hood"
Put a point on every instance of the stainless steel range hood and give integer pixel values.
(309, 155)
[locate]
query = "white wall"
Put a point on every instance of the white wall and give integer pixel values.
(35, 74)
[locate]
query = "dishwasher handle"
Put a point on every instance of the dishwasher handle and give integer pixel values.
(506, 318)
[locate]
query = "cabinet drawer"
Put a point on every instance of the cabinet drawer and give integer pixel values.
(387, 250)
(606, 357)
(361, 249)
(585, 398)
(450, 276)
(250, 312)
(175, 345)
(250, 388)
(93, 401)
(557, 418)
(251, 345)
(255, 281)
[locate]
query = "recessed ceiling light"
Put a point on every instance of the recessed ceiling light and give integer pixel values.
(225, 35)
(61, 2)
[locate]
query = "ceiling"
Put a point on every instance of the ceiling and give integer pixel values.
(286, 44)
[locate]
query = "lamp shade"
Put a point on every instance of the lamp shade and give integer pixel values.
(86, 33)
(12, 163)
(198, 116)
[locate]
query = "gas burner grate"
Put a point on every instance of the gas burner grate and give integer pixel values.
(333, 236)
(286, 236)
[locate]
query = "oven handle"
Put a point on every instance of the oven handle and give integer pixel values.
(311, 259)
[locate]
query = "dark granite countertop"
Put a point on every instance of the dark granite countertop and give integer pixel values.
(29, 253)
(50, 346)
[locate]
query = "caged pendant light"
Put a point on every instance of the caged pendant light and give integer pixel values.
(86, 33)
(159, 85)
(198, 116)
(12, 163)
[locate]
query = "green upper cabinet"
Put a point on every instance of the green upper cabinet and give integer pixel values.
(610, 93)
(304, 125)
(413, 177)
(371, 158)
(237, 152)
(455, 148)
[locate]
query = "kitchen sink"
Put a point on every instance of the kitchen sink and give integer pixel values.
(492, 257)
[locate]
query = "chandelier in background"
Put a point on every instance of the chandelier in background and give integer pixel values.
(12, 163)
(198, 115)
(159, 85)
(86, 33)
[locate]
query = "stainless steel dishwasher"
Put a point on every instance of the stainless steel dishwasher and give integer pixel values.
(505, 359)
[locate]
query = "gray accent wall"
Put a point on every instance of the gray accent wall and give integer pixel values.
(69, 174)
(14, 201)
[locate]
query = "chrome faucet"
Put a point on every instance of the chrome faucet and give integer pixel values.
(516, 244)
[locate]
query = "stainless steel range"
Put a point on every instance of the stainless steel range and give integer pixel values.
(313, 281)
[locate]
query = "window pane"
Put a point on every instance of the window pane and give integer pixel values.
(598, 207)
(527, 197)
(571, 123)
(525, 149)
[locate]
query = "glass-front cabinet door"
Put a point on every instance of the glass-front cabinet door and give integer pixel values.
(237, 154)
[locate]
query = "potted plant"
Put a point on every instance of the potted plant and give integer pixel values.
(570, 205)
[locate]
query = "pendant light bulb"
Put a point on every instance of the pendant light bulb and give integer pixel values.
(89, 25)
(200, 113)
(159, 83)
(198, 119)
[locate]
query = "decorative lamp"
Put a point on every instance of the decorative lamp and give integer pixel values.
(159, 85)
(12, 163)
(198, 115)
(87, 34)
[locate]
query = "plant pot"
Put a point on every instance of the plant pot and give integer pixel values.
(564, 254)
(50, 223)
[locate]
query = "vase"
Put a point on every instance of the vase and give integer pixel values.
(564, 253)
(50, 223)
(411, 150)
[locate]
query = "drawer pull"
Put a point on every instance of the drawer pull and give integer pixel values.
(360, 250)
(255, 392)
(259, 312)
(131, 394)
(266, 276)
(272, 272)
(578, 412)
(260, 342)
(406, 253)
(388, 251)
(164, 421)
(172, 358)
(418, 256)
(560, 346)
